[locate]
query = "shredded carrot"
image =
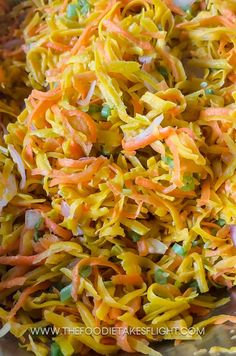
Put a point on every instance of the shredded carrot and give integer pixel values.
(86, 77)
(135, 304)
(122, 339)
(60, 47)
(142, 247)
(216, 20)
(221, 319)
(24, 295)
(112, 27)
(224, 232)
(146, 183)
(210, 224)
(138, 106)
(229, 14)
(71, 163)
(177, 172)
(77, 178)
(168, 58)
(134, 279)
(56, 229)
(54, 94)
(14, 282)
(75, 150)
(187, 131)
(108, 341)
(135, 144)
(9, 248)
(83, 39)
(63, 6)
(114, 313)
(39, 110)
(201, 311)
(177, 10)
(81, 87)
(116, 189)
(17, 260)
(216, 112)
(88, 120)
(92, 261)
(205, 196)
(2, 75)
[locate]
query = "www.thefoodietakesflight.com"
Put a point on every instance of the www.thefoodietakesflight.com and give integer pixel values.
(183, 332)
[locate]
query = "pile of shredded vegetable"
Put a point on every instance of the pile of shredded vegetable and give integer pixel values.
(118, 185)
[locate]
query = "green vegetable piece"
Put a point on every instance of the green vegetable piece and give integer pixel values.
(16, 296)
(37, 226)
(177, 284)
(194, 285)
(65, 293)
(72, 11)
(36, 235)
(84, 6)
(108, 284)
(106, 111)
(116, 250)
(58, 285)
(163, 71)
(214, 231)
(55, 350)
(126, 191)
(93, 108)
(179, 250)
(105, 152)
(161, 276)
(169, 161)
(221, 222)
(85, 271)
(134, 236)
(186, 8)
(36, 230)
(189, 185)
(209, 91)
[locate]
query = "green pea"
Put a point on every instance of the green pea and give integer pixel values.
(106, 111)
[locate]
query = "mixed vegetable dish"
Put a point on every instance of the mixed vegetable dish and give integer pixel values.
(117, 165)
